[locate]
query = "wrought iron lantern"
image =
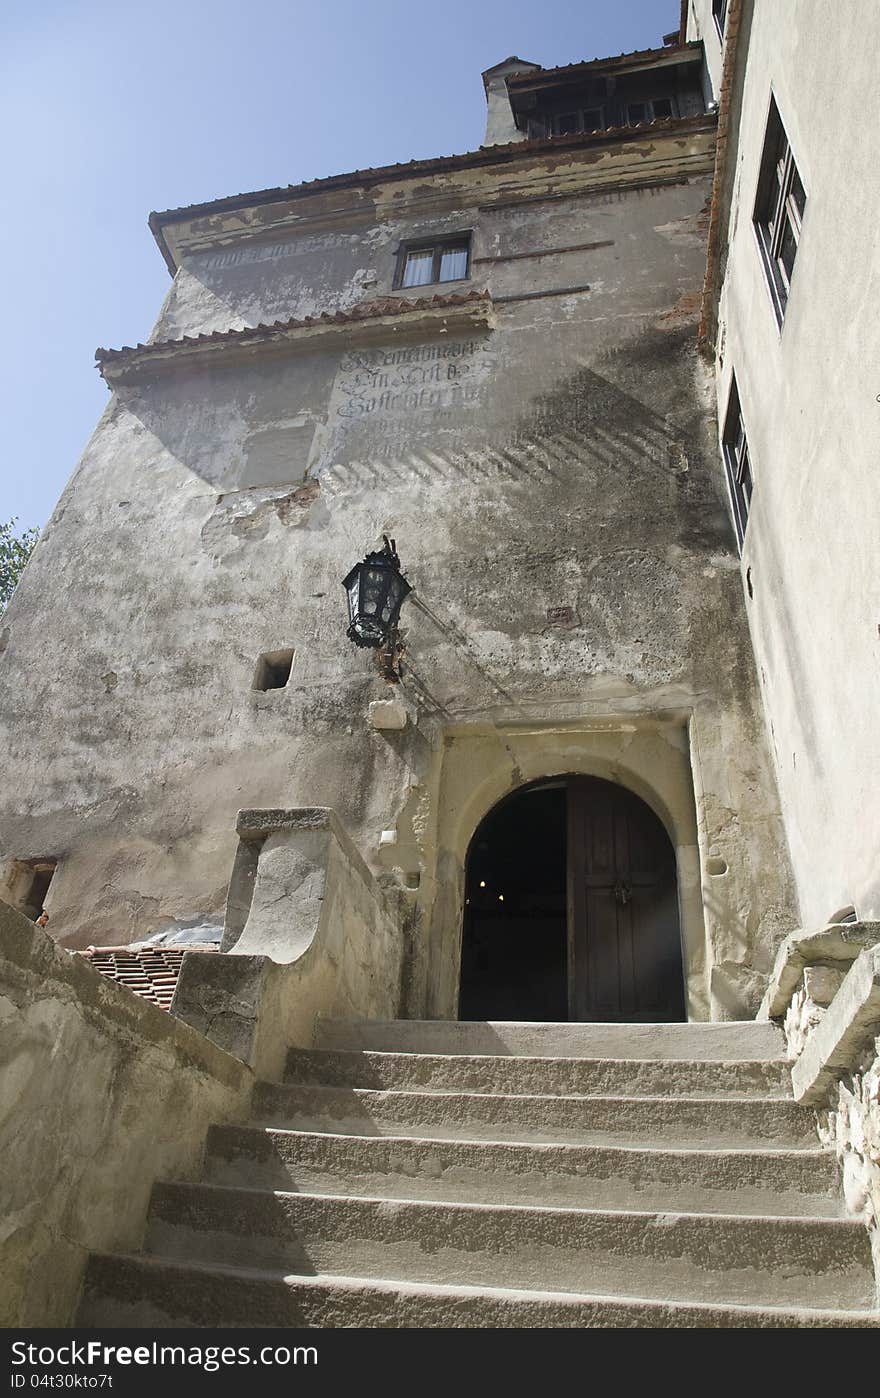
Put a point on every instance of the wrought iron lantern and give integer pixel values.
(376, 590)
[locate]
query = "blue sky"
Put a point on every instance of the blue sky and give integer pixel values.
(110, 110)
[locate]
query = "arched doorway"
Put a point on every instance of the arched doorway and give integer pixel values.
(571, 909)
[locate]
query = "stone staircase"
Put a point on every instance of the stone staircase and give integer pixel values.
(433, 1173)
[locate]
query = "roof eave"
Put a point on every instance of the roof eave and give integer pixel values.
(389, 317)
(413, 169)
(667, 56)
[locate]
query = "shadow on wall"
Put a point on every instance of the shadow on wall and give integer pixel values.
(263, 282)
(782, 665)
(592, 432)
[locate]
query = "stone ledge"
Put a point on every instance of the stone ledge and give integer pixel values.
(254, 824)
(308, 930)
(836, 945)
(834, 1046)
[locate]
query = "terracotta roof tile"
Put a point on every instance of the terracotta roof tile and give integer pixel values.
(364, 310)
(150, 972)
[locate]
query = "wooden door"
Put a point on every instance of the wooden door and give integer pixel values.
(624, 938)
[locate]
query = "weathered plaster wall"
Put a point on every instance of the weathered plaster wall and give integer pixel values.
(809, 399)
(100, 1094)
(561, 458)
(701, 25)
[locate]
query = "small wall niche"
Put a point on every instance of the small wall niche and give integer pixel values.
(273, 669)
(27, 882)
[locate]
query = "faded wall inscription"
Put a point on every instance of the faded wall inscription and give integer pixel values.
(388, 391)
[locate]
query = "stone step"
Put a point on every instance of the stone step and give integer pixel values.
(734, 1123)
(778, 1182)
(746, 1039)
(670, 1256)
(144, 1292)
(791, 1183)
(599, 1077)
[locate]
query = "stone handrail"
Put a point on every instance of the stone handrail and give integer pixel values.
(308, 932)
(825, 989)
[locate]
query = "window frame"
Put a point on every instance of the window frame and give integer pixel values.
(579, 112)
(439, 246)
(648, 104)
(776, 215)
(737, 458)
(719, 14)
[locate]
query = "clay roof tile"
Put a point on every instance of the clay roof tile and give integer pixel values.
(365, 310)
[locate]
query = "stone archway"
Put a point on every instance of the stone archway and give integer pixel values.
(571, 908)
(479, 767)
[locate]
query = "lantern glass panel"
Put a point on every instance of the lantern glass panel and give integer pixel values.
(375, 591)
(374, 585)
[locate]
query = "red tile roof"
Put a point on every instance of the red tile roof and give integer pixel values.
(363, 311)
(486, 155)
(150, 972)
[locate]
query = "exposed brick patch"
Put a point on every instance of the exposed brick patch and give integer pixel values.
(686, 309)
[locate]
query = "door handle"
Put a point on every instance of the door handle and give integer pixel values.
(622, 893)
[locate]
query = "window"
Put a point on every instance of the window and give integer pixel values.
(719, 11)
(582, 119)
(779, 210)
(735, 447)
(447, 260)
(659, 107)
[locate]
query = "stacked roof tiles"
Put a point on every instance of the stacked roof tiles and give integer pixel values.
(365, 310)
(150, 972)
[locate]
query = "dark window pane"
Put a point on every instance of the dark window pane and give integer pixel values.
(567, 123)
(779, 204)
(745, 476)
(798, 195)
(787, 250)
(735, 449)
(636, 112)
(662, 107)
(775, 196)
(593, 120)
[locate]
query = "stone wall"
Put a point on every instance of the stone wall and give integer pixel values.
(825, 990)
(547, 464)
(100, 1094)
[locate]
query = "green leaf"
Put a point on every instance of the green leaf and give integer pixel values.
(15, 550)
